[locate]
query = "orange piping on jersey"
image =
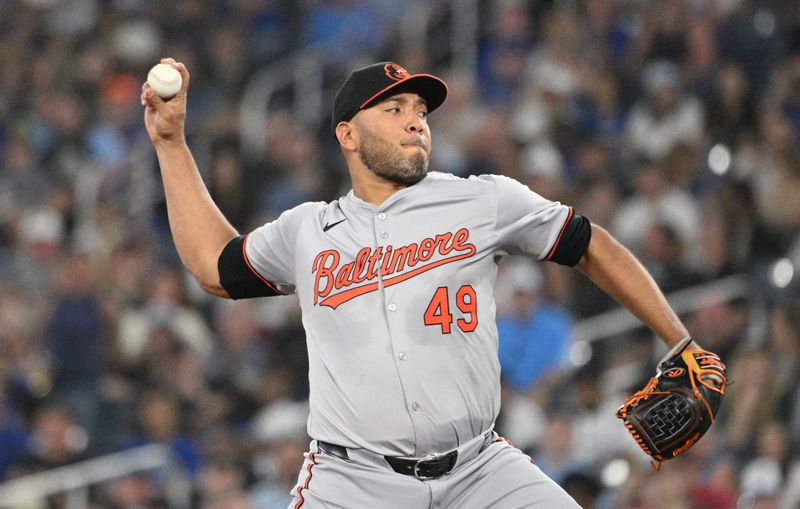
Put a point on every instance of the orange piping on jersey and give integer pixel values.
(558, 239)
(253, 270)
(340, 298)
(304, 486)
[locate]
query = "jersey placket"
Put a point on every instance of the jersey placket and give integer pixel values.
(403, 360)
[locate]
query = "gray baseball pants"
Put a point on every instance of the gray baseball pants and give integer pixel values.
(489, 474)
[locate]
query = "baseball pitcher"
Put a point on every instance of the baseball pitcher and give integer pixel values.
(395, 284)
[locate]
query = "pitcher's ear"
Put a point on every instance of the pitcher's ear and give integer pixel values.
(347, 135)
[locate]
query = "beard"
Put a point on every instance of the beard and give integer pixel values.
(386, 161)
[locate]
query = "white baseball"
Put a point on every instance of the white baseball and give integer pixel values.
(165, 80)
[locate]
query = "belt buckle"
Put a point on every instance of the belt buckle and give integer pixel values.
(416, 469)
(427, 459)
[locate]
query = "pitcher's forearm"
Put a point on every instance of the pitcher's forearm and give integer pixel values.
(199, 229)
(616, 271)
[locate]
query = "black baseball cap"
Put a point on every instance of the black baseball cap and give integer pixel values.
(367, 84)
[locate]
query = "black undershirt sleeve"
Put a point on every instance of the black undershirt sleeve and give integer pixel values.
(573, 242)
(236, 276)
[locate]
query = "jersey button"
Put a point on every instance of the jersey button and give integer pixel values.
(392, 307)
(403, 356)
(385, 235)
(415, 406)
(382, 216)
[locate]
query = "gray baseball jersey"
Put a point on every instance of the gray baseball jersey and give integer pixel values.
(397, 304)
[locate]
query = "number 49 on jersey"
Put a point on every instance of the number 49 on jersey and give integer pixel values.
(438, 310)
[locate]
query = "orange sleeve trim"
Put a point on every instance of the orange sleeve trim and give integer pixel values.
(253, 270)
(558, 239)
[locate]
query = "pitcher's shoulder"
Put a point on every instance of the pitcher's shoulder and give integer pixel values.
(477, 183)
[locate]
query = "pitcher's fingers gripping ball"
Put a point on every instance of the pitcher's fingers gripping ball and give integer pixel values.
(165, 80)
(677, 406)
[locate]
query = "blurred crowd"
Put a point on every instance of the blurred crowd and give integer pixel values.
(672, 123)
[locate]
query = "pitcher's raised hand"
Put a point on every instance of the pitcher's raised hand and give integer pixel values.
(164, 119)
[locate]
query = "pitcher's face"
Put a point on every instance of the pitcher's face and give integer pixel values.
(394, 138)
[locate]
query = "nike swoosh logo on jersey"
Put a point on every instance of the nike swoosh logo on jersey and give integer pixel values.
(331, 225)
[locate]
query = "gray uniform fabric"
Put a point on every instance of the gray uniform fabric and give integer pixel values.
(397, 305)
(494, 476)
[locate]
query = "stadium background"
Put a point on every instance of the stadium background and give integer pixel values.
(673, 123)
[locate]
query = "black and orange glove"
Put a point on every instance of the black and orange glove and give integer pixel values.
(678, 405)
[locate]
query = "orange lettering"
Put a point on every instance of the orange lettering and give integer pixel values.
(324, 270)
(368, 262)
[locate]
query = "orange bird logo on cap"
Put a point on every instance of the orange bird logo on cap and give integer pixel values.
(395, 72)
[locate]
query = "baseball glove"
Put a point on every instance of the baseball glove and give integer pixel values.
(678, 405)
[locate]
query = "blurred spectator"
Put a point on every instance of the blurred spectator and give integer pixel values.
(763, 476)
(504, 48)
(492, 148)
(455, 123)
(663, 254)
(37, 249)
(22, 182)
(665, 32)
(669, 490)
(229, 187)
(731, 112)
(768, 164)
(134, 491)
(271, 27)
(242, 354)
(722, 324)
(544, 170)
(783, 343)
(665, 116)
(719, 491)
(280, 416)
(655, 201)
(285, 460)
(114, 133)
(557, 72)
(347, 29)
(75, 340)
(13, 435)
(556, 453)
(791, 496)
(715, 256)
(294, 156)
(779, 205)
(161, 420)
(534, 335)
(56, 439)
(167, 309)
(522, 415)
(221, 484)
(783, 94)
(594, 399)
(749, 407)
(602, 113)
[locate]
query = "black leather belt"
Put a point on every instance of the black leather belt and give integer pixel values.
(423, 468)
(334, 450)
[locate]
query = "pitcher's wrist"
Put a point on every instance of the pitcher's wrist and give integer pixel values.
(175, 143)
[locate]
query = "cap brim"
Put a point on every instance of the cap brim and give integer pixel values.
(429, 87)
